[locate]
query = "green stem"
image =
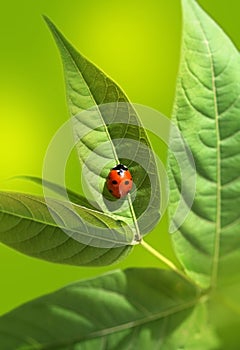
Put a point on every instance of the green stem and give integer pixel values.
(138, 236)
(166, 261)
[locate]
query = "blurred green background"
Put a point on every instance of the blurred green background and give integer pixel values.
(137, 43)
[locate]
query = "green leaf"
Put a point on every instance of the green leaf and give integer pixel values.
(27, 224)
(207, 109)
(137, 309)
(109, 132)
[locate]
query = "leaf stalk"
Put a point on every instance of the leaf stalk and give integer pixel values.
(166, 261)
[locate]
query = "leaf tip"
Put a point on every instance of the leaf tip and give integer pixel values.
(46, 19)
(51, 25)
(188, 4)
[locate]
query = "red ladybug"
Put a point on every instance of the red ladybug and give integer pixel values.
(119, 181)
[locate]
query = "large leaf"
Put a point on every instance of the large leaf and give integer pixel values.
(207, 110)
(27, 225)
(137, 309)
(108, 132)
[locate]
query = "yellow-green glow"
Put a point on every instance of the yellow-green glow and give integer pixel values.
(137, 43)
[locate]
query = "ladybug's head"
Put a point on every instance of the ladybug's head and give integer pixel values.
(120, 167)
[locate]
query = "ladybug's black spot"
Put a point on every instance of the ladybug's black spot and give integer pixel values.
(126, 182)
(114, 182)
(110, 191)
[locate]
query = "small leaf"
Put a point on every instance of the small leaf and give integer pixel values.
(27, 225)
(207, 109)
(109, 132)
(137, 309)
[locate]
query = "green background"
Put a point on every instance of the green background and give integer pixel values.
(137, 44)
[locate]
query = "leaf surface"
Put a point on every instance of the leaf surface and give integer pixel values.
(136, 308)
(26, 224)
(207, 110)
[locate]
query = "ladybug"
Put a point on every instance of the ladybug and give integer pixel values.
(119, 181)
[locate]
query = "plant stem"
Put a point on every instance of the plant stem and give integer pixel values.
(166, 261)
(138, 234)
